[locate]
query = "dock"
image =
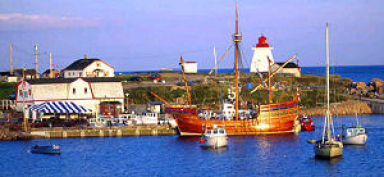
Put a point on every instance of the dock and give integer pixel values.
(59, 132)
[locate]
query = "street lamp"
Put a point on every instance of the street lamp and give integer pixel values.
(127, 94)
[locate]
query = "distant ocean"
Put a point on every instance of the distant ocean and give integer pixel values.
(356, 73)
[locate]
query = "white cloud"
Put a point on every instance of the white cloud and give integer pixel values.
(19, 22)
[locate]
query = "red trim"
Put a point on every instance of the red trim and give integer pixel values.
(17, 90)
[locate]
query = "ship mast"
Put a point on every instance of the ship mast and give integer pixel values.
(181, 63)
(237, 39)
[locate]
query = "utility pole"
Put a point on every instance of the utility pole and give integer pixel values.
(50, 65)
(11, 59)
(214, 54)
(37, 64)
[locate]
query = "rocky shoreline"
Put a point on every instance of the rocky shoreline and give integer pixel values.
(349, 107)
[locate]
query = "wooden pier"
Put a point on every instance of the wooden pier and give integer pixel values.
(101, 132)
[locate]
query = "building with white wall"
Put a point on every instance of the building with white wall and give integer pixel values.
(91, 93)
(190, 67)
(88, 68)
(260, 56)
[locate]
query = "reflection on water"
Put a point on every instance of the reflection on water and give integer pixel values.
(263, 155)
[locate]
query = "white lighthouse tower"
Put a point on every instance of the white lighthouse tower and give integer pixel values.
(260, 56)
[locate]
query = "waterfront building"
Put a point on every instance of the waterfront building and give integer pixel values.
(190, 67)
(290, 69)
(103, 95)
(85, 67)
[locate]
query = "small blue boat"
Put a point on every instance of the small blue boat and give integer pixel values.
(52, 149)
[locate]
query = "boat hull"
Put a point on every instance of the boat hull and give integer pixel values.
(328, 150)
(215, 142)
(355, 140)
(276, 118)
(46, 149)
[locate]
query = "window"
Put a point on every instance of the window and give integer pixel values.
(295, 111)
(98, 64)
(20, 92)
(29, 92)
(85, 90)
(80, 74)
(290, 111)
(74, 91)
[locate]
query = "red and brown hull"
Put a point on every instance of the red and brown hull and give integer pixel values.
(274, 118)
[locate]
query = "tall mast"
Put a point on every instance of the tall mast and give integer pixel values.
(10, 60)
(237, 39)
(37, 64)
(327, 75)
(181, 63)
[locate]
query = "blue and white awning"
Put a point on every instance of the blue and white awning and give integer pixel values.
(58, 107)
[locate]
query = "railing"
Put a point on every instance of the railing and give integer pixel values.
(7, 104)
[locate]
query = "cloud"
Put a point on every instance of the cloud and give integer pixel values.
(24, 22)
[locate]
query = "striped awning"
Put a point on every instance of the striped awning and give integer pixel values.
(58, 107)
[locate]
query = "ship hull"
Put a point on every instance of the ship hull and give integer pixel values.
(274, 118)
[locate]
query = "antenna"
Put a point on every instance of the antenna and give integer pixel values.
(37, 64)
(10, 60)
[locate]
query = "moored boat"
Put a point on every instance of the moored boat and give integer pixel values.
(306, 124)
(52, 149)
(328, 147)
(354, 135)
(215, 137)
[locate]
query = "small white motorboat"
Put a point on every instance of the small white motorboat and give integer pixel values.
(214, 138)
(354, 135)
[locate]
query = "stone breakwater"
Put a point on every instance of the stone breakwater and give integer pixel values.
(7, 135)
(349, 107)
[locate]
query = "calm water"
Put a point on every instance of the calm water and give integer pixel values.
(273, 155)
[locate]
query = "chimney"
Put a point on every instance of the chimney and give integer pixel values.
(85, 56)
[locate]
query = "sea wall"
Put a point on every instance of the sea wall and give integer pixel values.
(102, 132)
(344, 108)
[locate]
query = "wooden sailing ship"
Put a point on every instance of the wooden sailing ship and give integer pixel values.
(270, 118)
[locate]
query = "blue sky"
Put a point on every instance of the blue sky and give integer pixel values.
(136, 35)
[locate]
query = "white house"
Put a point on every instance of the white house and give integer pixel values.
(88, 68)
(190, 67)
(102, 95)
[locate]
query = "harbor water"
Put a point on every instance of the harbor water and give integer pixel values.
(267, 155)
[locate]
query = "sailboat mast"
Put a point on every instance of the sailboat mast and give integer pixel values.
(237, 39)
(327, 80)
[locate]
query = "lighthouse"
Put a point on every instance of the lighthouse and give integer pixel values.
(260, 56)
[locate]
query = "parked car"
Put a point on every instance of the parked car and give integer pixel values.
(155, 76)
(135, 78)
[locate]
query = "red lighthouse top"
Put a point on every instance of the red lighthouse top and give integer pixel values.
(262, 42)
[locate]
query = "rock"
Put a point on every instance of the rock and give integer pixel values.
(360, 85)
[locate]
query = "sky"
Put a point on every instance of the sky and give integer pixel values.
(139, 35)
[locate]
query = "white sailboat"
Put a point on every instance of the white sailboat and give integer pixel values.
(354, 135)
(328, 146)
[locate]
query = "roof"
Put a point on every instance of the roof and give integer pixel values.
(48, 71)
(26, 71)
(190, 62)
(81, 64)
(69, 80)
(289, 65)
